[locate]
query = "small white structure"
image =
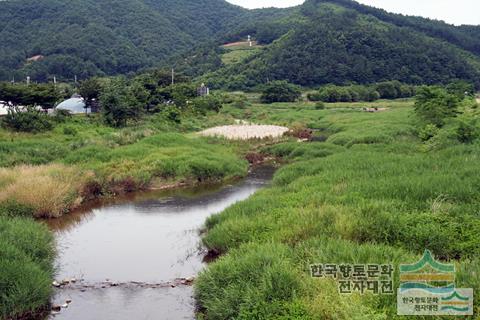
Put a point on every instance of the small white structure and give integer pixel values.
(75, 105)
(3, 108)
(203, 90)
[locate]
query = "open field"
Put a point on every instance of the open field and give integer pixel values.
(239, 51)
(369, 194)
(240, 45)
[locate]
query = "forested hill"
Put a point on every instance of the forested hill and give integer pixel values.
(87, 37)
(319, 42)
(341, 41)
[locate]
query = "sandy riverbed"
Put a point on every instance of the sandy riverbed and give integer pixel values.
(245, 132)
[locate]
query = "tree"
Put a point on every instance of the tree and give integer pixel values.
(180, 93)
(280, 91)
(90, 91)
(460, 88)
(43, 95)
(434, 105)
(207, 103)
(389, 90)
(12, 94)
(119, 104)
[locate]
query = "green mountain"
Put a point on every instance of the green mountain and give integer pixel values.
(88, 37)
(322, 41)
(342, 41)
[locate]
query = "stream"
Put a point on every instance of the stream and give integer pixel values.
(135, 257)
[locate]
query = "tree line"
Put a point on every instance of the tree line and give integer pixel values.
(120, 100)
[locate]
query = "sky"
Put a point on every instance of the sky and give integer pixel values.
(452, 11)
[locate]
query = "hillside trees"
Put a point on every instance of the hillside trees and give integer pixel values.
(280, 91)
(354, 93)
(331, 42)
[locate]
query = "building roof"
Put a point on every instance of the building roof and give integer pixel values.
(74, 105)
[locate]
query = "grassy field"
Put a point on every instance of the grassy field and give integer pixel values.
(239, 51)
(370, 194)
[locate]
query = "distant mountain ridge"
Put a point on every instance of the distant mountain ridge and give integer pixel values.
(88, 37)
(321, 41)
(342, 41)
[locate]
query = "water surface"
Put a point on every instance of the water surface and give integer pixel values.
(150, 239)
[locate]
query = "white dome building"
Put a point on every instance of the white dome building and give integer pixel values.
(75, 105)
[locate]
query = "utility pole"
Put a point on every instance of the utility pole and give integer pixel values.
(28, 80)
(173, 76)
(75, 79)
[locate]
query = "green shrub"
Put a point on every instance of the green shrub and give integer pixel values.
(172, 113)
(314, 96)
(29, 120)
(428, 132)
(434, 105)
(206, 103)
(319, 105)
(61, 116)
(280, 91)
(467, 131)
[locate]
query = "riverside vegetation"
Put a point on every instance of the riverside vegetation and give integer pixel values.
(49, 165)
(381, 188)
(49, 174)
(375, 186)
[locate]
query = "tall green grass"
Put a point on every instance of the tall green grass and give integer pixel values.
(369, 194)
(26, 266)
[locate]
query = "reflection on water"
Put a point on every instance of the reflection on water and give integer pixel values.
(149, 237)
(128, 303)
